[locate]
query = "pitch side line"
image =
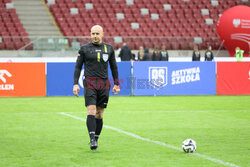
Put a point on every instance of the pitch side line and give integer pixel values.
(156, 142)
(129, 111)
(165, 111)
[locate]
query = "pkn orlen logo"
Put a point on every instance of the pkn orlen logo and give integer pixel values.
(158, 77)
(3, 75)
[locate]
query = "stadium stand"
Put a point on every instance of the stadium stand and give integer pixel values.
(13, 35)
(144, 19)
(36, 20)
(149, 23)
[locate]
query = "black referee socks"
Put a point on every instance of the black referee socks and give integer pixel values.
(98, 130)
(91, 125)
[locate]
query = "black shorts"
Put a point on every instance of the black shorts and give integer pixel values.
(96, 92)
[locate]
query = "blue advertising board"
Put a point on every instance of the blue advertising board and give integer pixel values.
(60, 78)
(174, 78)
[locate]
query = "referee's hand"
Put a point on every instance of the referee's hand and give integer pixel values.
(76, 90)
(116, 89)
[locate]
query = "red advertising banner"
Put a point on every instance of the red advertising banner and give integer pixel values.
(233, 78)
(22, 79)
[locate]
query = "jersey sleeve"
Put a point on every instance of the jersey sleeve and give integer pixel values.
(114, 68)
(78, 66)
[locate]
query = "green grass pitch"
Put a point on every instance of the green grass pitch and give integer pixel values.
(33, 133)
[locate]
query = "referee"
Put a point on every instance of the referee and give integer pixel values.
(95, 57)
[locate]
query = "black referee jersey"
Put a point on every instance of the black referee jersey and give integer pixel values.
(95, 58)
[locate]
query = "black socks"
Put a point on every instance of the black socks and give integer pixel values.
(91, 125)
(98, 130)
(94, 126)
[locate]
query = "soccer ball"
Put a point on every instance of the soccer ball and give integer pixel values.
(189, 146)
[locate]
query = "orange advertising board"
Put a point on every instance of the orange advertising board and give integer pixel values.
(22, 79)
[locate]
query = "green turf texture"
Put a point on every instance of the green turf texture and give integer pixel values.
(34, 134)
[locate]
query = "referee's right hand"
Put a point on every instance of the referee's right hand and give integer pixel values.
(76, 90)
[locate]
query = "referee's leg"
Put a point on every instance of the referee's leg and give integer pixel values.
(91, 125)
(102, 102)
(90, 103)
(90, 96)
(91, 122)
(99, 122)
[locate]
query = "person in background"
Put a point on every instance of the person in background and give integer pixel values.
(134, 57)
(151, 52)
(209, 56)
(196, 54)
(147, 56)
(239, 54)
(125, 53)
(140, 54)
(156, 54)
(164, 53)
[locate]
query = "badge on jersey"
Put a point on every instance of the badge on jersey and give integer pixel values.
(105, 57)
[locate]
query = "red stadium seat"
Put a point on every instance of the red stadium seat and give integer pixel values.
(11, 28)
(184, 19)
(10, 45)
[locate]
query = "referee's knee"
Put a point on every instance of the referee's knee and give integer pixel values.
(99, 114)
(91, 110)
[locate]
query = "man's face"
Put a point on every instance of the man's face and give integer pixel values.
(195, 47)
(237, 49)
(96, 35)
(163, 47)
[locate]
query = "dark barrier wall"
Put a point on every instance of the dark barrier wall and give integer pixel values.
(233, 78)
(60, 78)
(174, 78)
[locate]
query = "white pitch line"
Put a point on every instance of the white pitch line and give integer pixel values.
(138, 111)
(183, 111)
(156, 142)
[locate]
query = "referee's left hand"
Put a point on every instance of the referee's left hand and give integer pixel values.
(116, 89)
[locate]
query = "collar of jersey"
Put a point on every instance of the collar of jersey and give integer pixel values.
(97, 44)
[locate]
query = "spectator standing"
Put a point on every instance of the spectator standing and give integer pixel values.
(164, 53)
(147, 56)
(209, 56)
(125, 53)
(156, 54)
(140, 54)
(239, 54)
(196, 54)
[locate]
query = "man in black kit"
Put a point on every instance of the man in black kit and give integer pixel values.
(95, 57)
